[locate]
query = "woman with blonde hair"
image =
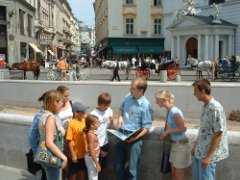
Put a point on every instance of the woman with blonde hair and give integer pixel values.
(180, 155)
(49, 125)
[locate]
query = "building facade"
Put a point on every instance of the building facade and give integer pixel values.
(123, 29)
(209, 35)
(37, 30)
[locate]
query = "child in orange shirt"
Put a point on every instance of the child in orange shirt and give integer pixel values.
(76, 138)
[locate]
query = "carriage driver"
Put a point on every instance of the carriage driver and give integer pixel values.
(62, 68)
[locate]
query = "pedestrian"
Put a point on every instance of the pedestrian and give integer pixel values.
(135, 113)
(33, 137)
(62, 68)
(128, 69)
(77, 142)
(48, 127)
(115, 71)
(180, 153)
(91, 157)
(211, 145)
(105, 116)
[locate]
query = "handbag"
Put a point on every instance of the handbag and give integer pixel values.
(31, 165)
(166, 165)
(44, 156)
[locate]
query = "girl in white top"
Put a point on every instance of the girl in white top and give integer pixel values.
(105, 116)
(65, 113)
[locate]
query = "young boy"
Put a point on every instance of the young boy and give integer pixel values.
(77, 142)
(105, 116)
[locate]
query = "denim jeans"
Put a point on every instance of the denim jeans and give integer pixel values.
(52, 173)
(200, 173)
(124, 150)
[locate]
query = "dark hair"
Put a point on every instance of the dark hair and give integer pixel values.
(104, 98)
(203, 84)
(42, 97)
(62, 89)
(141, 84)
(90, 119)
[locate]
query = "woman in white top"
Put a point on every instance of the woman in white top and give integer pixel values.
(65, 114)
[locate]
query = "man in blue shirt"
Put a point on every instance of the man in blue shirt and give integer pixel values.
(134, 113)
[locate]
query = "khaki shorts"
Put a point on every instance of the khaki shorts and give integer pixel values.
(180, 155)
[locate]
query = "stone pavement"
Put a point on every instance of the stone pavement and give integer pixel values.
(9, 173)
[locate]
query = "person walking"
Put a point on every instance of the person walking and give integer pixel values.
(134, 113)
(115, 71)
(180, 154)
(211, 145)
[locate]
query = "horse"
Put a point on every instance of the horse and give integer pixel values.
(199, 66)
(28, 66)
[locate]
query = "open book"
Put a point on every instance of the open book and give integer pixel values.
(123, 136)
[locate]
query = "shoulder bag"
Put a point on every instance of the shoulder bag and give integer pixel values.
(44, 156)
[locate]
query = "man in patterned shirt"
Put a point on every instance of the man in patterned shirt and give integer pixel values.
(211, 145)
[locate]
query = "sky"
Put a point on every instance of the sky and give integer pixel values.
(83, 10)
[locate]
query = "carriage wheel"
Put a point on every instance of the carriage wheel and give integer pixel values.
(51, 75)
(84, 74)
(143, 73)
(172, 72)
(235, 76)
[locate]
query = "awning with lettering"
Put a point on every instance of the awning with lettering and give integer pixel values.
(35, 48)
(125, 50)
(51, 52)
(150, 49)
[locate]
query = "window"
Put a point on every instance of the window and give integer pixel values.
(129, 26)
(216, 1)
(29, 25)
(157, 26)
(3, 13)
(21, 21)
(156, 2)
(129, 1)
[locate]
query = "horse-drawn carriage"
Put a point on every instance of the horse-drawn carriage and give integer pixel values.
(171, 66)
(228, 69)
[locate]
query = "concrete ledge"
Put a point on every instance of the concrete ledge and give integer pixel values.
(14, 146)
(24, 93)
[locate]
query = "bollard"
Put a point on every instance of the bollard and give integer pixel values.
(1, 75)
(178, 78)
(163, 76)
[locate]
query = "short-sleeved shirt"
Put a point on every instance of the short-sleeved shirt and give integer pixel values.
(76, 135)
(213, 119)
(104, 118)
(173, 125)
(136, 113)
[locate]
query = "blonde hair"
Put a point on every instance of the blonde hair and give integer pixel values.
(165, 94)
(90, 120)
(50, 99)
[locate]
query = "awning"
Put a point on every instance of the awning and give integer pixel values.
(35, 48)
(125, 50)
(51, 52)
(98, 51)
(150, 49)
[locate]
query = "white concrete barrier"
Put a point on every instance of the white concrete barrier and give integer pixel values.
(25, 94)
(14, 145)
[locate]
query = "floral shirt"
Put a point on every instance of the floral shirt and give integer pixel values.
(213, 119)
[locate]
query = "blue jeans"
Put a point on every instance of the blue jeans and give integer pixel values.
(124, 150)
(200, 173)
(52, 173)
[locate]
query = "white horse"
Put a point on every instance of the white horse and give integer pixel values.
(199, 66)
